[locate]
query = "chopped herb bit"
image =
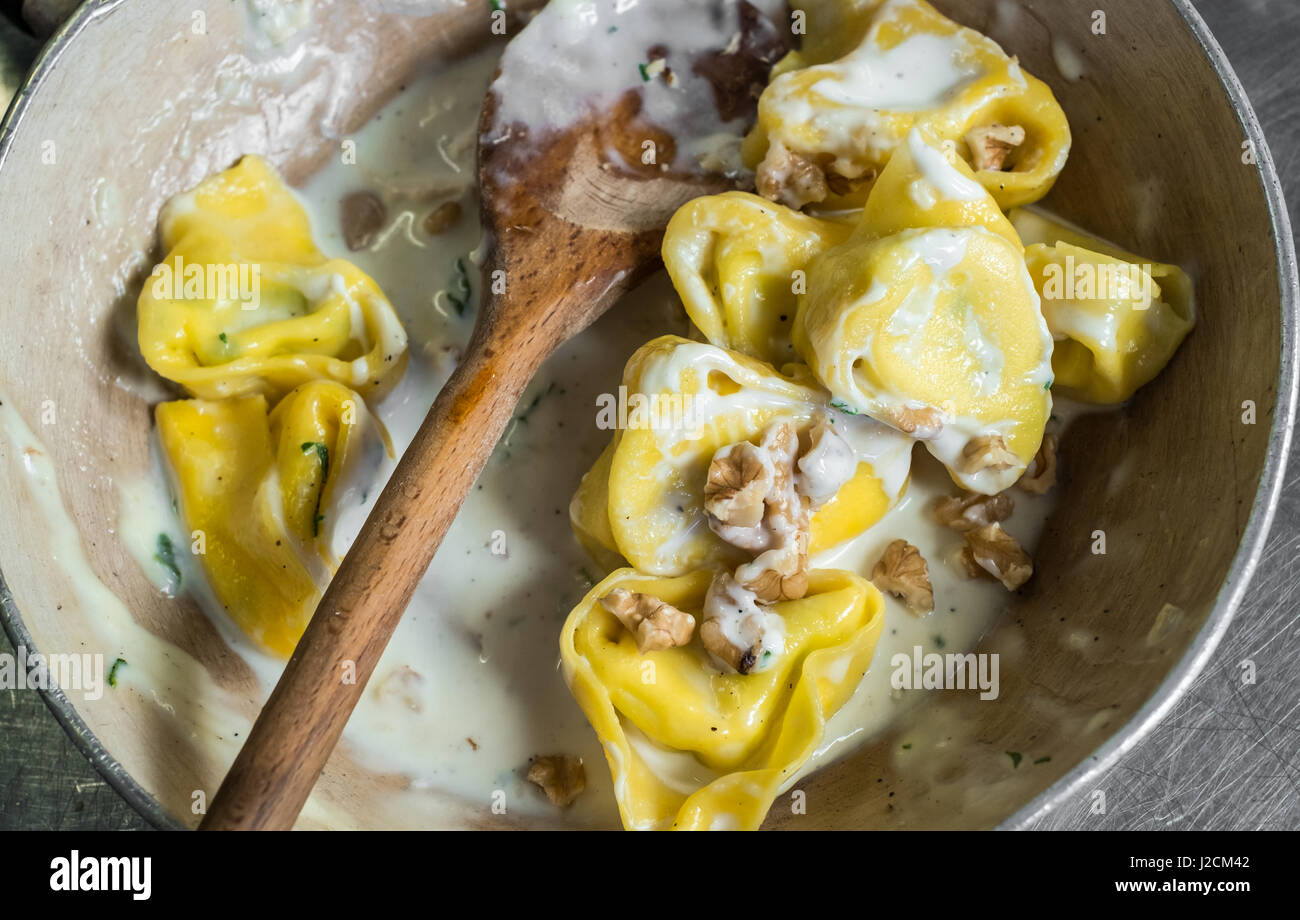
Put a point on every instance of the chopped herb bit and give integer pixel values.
(1050, 381)
(939, 642)
(323, 453)
(459, 292)
(497, 5)
(843, 407)
(223, 338)
(1016, 757)
(112, 672)
(611, 30)
(1042, 760)
(645, 74)
(907, 747)
(165, 556)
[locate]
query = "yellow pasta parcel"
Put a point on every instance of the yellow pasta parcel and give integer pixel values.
(737, 261)
(1117, 318)
(690, 747)
(934, 330)
(244, 303)
(643, 501)
(825, 131)
(257, 491)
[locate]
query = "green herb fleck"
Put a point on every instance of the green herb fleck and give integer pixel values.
(939, 642)
(497, 5)
(165, 555)
(907, 747)
(224, 340)
(1016, 757)
(112, 672)
(645, 74)
(323, 454)
(459, 292)
(843, 407)
(1042, 760)
(1050, 381)
(611, 30)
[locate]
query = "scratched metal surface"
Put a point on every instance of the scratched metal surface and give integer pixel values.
(1226, 757)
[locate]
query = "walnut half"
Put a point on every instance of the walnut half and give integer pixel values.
(790, 179)
(562, 778)
(1041, 474)
(972, 510)
(740, 477)
(996, 552)
(990, 145)
(903, 572)
(986, 452)
(655, 625)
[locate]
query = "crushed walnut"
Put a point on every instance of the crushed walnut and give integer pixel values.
(827, 464)
(991, 145)
(996, 552)
(740, 478)
(655, 625)
(561, 777)
(362, 215)
(737, 631)
(1041, 474)
(903, 572)
(924, 424)
(779, 572)
(987, 452)
(972, 510)
(790, 179)
(441, 218)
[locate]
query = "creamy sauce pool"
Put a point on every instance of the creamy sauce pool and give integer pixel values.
(470, 687)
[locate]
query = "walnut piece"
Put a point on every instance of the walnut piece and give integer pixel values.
(990, 145)
(740, 478)
(790, 179)
(997, 552)
(655, 625)
(441, 218)
(924, 424)
(903, 572)
(780, 571)
(987, 452)
(827, 464)
(736, 630)
(562, 778)
(362, 215)
(1041, 474)
(972, 510)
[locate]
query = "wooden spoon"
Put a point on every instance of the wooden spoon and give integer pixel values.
(572, 229)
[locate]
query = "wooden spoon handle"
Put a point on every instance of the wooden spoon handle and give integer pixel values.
(305, 715)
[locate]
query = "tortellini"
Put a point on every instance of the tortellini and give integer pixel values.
(1116, 317)
(692, 749)
(256, 492)
(644, 499)
(244, 303)
(738, 263)
(825, 131)
(935, 330)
